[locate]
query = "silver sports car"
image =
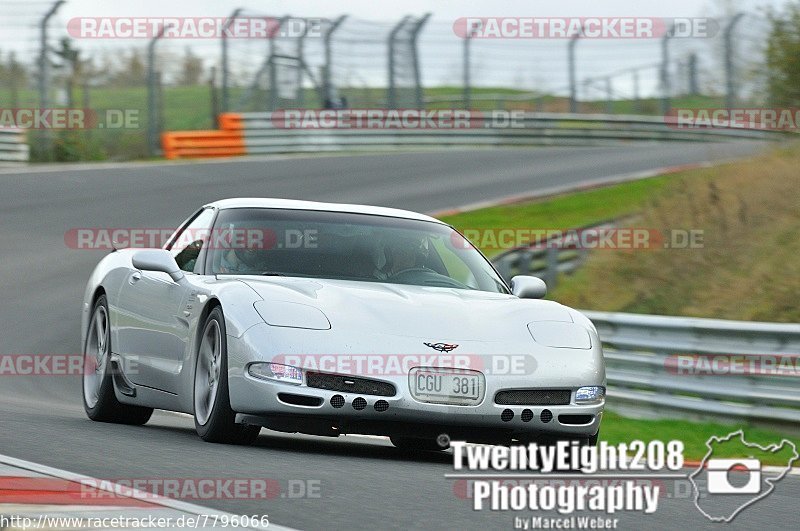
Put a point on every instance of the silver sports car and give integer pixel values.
(331, 319)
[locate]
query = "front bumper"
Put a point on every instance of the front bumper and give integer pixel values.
(299, 408)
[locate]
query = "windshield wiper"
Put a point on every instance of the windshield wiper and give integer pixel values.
(272, 274)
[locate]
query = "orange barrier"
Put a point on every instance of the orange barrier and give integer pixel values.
(230, 121)
(226, 142)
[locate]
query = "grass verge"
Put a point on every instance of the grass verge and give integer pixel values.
(748, 215)
(617, 429)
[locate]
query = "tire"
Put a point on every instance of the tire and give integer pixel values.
(97, 388)
(412, 444)
(214, 419)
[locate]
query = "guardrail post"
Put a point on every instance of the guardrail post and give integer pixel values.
(730, 88)
(153, 118)
(225, 60)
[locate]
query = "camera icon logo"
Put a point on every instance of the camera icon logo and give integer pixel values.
(720, 470)
(725, 486)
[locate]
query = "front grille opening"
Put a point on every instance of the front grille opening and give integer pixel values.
(533, 397)
(300, 400)
(359, 404)
(381, 406)
(575, 419)
(546, 416)
(506, 415)
(337, 401)
(349, 384)
(527, 415)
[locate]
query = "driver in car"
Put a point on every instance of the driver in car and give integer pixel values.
(241, 260)
(402, 254)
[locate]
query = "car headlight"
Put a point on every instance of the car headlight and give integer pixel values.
(590, 394)
(276, 372)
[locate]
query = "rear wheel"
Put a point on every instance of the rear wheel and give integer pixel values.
(99, 400)
(214, 419)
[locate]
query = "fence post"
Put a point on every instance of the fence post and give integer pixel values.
(573, 89)
(44, 74)
(273, 70)
(693, 86)
(466, 66)
(301, 67)
(86, 103)
(327, 83)
(213, 96)
(730, 88)
(153, 118)
(609, 95)
(225, 60)
(636, 102)
(420, 97)
(391, 95)
(665, 85)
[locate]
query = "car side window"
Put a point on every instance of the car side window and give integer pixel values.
(187, 245)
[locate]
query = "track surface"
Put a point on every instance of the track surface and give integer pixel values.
(365, 483)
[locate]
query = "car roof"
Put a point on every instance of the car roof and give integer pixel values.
(295, 204)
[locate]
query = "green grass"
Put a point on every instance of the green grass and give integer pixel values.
(617, 429)
(563, 212)
(748, 213)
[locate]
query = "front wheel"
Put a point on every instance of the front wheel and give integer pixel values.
(99, 400)
(214, 419)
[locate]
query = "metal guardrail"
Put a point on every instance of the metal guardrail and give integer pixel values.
(13, 146)
(262, 135)
(647, 376)
(547, 257)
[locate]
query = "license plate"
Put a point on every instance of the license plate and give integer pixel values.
(460, 387)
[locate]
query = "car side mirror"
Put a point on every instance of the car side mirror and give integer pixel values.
(157, 260)
(527, 287)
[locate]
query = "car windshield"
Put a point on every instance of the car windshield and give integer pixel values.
(346, 246)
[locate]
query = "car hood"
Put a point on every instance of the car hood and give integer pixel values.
(432, 313)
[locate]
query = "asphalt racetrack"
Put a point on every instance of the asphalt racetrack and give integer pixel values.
(364, 483)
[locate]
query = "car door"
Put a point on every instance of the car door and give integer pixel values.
(152, 328)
